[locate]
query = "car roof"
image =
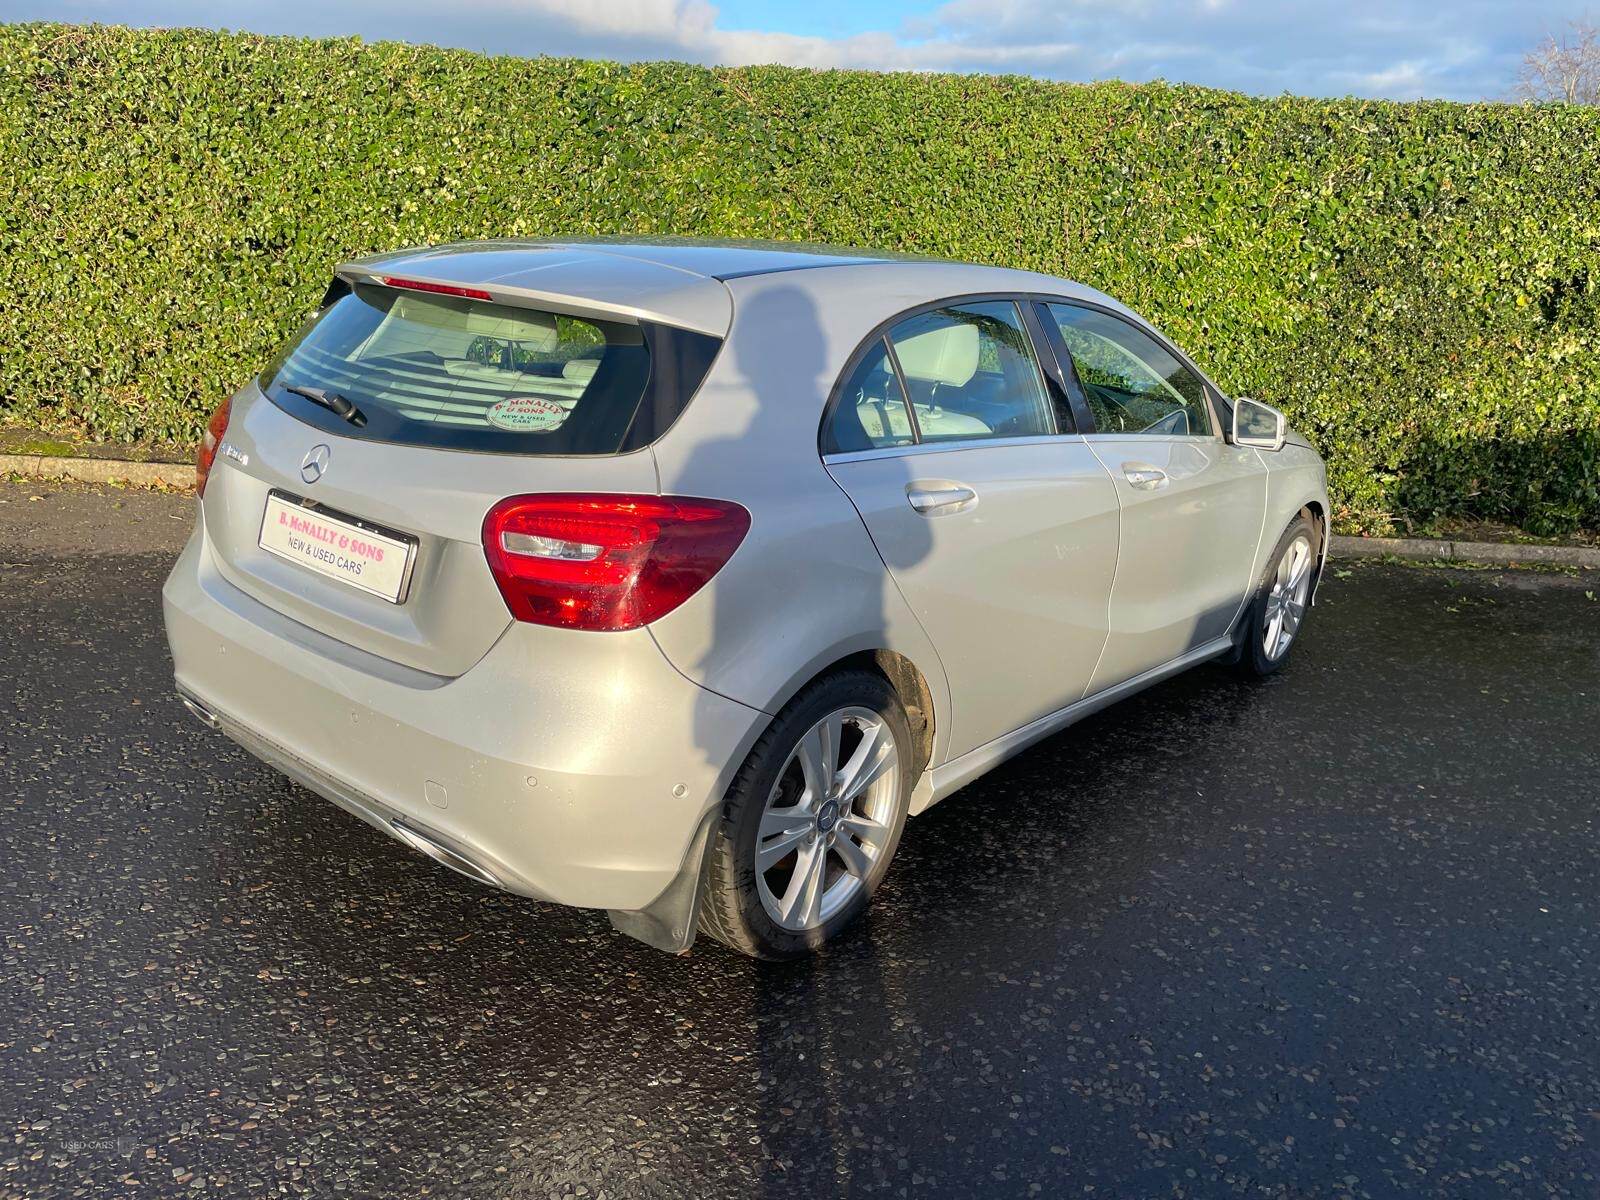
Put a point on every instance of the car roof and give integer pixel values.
(709, 257)
(680, 281)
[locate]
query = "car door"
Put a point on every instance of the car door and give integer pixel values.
(1192, 505)
(999, 529)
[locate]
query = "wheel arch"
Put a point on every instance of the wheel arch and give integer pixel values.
(1319, 517)
(1318, 512)
(907, 679)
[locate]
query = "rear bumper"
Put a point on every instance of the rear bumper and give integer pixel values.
(570, 767)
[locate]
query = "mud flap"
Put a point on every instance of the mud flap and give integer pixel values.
(668, 921)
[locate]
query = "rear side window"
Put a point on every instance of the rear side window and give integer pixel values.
(970, 373)
(467, 374)
(967, 371)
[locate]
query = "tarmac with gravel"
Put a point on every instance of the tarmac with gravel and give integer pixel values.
(1332, 935)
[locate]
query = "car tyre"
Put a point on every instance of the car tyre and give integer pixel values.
(811, 821)
(1277, 612)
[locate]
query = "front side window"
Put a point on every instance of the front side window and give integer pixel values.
(970, 373)
(462, 373)
(1133, 384)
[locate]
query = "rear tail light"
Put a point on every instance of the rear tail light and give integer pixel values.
(606, 561)
(216, 429)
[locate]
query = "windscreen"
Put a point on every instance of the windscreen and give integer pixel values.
(459, 373)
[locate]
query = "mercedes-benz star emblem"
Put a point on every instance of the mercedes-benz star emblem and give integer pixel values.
(315, 464)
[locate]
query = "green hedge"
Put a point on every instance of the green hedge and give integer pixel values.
(1417, 284)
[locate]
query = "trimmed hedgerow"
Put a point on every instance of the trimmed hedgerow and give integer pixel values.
(1417, 284)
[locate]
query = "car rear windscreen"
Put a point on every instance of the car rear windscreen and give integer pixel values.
(459, 373)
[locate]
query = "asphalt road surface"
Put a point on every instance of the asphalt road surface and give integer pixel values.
(1334, 935)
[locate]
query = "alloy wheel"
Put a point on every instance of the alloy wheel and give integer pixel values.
(828, 819)
(1286, 602)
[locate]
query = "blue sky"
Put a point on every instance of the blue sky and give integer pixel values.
(1401, 49)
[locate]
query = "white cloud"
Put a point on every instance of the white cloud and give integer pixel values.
(1468, 49)
(1404, 79)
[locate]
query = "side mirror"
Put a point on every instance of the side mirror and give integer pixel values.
(1257, 424)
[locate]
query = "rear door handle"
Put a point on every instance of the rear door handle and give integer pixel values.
(1143, 476)
(941, 498)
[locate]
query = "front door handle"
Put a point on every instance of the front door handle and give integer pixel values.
(940, 498)
(1144, 476)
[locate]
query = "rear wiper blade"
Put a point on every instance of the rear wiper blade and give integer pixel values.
(338, 405)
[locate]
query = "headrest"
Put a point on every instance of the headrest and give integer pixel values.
(580, 370)
(948, 354)
(530, 328)
(534, 330)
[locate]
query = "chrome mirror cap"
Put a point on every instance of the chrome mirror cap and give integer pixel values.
(1258, 425)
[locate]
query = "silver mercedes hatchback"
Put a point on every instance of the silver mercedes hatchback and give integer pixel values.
(671, 578)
